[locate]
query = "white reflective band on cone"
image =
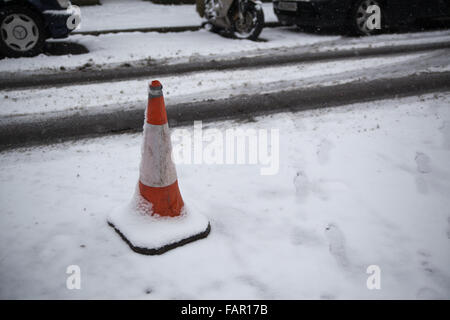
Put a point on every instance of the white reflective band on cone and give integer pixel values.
(155, 91)
(157, 168)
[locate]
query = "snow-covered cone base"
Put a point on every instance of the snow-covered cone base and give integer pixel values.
(152, 235)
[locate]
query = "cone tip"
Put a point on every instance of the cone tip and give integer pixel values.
(155, 84)
(156, 110)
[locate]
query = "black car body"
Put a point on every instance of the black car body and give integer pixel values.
(49, 19)
(338, 13)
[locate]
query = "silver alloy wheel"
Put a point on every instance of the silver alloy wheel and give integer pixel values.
(19, 32)
(362, 16)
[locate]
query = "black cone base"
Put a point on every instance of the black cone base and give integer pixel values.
(164, 248)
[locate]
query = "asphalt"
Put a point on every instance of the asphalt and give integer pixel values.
(61, 126)
(294, 55)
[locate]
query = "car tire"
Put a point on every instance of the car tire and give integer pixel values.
(22, 32)
(256, 13)
(358, 18)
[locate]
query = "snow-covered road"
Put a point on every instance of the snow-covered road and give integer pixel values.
(220, 84)
(360, 185)
(352, 186)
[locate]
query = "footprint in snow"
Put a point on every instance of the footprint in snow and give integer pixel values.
(440, 278)
(336, 244)
(302, 185)
(323, 151)
(423, 162)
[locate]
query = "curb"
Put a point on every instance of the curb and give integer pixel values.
(60, 126)
(158, 29)
(296, 55)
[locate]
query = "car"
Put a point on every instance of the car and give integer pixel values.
(26, 24)
(354, 14)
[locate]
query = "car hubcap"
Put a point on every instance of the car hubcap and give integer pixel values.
(362, 16)
(19, 32)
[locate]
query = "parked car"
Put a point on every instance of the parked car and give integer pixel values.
(352, 14)
(26, 24)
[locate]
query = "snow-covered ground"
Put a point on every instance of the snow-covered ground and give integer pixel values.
(219, 84)
(111, 50)
(365, 184)
(157, 48)
(132, 14)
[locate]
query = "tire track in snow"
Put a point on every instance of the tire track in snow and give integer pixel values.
(59, 126)
(270, 58)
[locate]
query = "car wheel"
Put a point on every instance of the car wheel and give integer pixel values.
(21, 32)
(250, 26)
(359, 18)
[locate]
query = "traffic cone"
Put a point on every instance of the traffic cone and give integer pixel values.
(157, 219)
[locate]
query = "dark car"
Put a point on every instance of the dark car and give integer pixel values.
(353, 14)
(26, 24)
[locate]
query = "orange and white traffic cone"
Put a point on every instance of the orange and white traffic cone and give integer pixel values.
(157, 219)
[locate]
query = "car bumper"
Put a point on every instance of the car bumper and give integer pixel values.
(60, 23)
(317, 13)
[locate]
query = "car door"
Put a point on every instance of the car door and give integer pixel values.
(428, 8)
(399, 11)
(444, 8)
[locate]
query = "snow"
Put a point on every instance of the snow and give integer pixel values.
(218, 84)
(132, 14)
(156, 48)
(359, 185)
(71, 10)
(154, 232)
(108, 50)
